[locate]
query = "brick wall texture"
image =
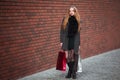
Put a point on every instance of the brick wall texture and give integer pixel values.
(29, 32)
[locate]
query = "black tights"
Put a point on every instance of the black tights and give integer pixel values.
(73, 57)
(72, 61)
(70, 56)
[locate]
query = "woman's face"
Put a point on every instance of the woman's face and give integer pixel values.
(72, 12)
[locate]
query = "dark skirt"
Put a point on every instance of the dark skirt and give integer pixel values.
(71, 41)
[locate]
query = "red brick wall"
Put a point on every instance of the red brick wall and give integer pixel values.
(29, 32)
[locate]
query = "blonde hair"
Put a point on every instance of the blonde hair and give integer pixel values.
(77, 16)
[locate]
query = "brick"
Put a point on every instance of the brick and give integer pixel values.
(29, 32)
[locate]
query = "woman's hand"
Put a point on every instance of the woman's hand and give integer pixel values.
(61, 44)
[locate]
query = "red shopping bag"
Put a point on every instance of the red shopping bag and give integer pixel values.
(61, 61)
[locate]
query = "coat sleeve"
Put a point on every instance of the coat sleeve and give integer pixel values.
(61, 32)
(79, 38)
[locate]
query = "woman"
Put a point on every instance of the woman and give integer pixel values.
(70, 39)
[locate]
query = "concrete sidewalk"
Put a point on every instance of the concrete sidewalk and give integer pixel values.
(105, 66)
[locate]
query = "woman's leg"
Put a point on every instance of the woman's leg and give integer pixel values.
(70, 59)
(70, 63)
(75, 65)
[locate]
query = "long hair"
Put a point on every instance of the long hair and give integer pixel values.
(77, 16)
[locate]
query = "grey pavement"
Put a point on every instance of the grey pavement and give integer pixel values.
(105, 66)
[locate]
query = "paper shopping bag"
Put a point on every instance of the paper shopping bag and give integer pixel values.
(61, 61)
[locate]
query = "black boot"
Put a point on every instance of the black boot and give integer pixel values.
(68, 75)
(75, 65)
(73, 74)
(69, 71)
